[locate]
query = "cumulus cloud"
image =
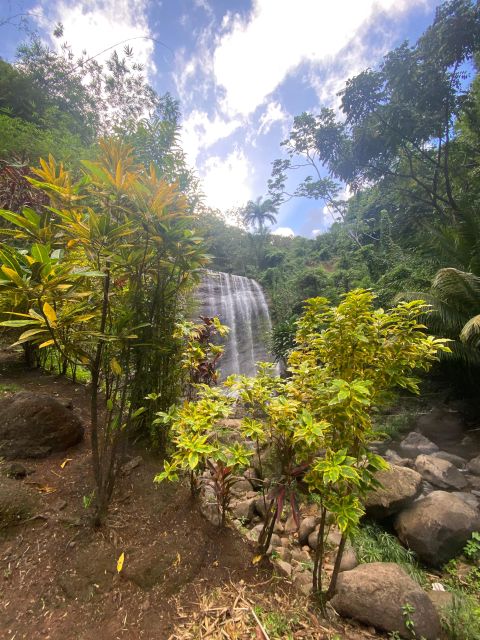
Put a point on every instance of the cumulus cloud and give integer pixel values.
(199, 131)
(285, 232)
(96, 25)
(226, 181)
(257, 53)
(273, 114)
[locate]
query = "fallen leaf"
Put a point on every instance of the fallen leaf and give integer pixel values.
(120, 562)
(256, 559)
(65, 462)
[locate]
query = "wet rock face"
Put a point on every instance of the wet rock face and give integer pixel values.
(376, 594)
(437, 527)
(399, 487)
(240, 304)
(34, 425)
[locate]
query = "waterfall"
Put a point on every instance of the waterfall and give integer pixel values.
(240, 304)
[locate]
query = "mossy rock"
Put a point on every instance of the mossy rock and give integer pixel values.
(16, 502)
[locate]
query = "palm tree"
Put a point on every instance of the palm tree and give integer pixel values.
(258, 213)
(454, 313)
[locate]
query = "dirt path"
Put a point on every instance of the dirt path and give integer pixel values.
(58, 577)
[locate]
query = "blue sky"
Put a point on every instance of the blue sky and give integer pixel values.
(241, 70)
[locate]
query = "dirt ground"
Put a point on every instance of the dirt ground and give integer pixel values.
(59, 579)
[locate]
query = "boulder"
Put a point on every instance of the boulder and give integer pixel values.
(393, 457)
(243, 509)
(349, 560)
(437, 527)
(16, 502)
(307, 525)
(33, 425)
(459, 462)
(399, 487)
(415, 443)
(253, 477)
(469, 498)
(439, 472)
(376, 594)
(474, 466)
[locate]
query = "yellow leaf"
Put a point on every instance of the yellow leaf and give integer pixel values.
(47, 343)
(120, 562)
(116, 368)
(256, 559)
(13, 275)
(65, 462)
(49, 313)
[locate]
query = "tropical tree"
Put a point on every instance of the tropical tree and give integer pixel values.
(102, 279)
(257, 213)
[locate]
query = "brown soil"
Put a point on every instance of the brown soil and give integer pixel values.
(58, 576)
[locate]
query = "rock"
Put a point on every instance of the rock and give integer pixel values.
(16, 471)
(34, 425)
(473, 481)
(394, 458)
(307, 525)
(312, 540)
(261, 506)
(284, 554)
(284, 567)
(440, 472)
(459, 462)
(132, 464)
(415, 443)
(440, 600)
(290, 525)
(303, 582)
(16, 502)
(333, 538)
(400, 486)
(241, 486)
(243, 509)
(252, 476)
(275, 540)
(254, 533)
(375, 593)
(437, 527)
(349, 560)
(469, 498)
(474, 466)
(301, 556)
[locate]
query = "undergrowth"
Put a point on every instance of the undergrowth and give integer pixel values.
(373, 544)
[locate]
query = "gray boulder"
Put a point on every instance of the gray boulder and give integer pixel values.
(474, 466)
(399, 487)
(437, 527)
(439, 472)
(307, 525)
(415, 443)
(469, 498)
(375, 595)
(33, 425)
(459, 462)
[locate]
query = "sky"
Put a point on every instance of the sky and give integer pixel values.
(241, 69)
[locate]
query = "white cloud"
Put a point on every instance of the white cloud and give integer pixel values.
(226, 181)
(256, 55)
(316, 232)
(200, 132)
(274, 113)
(95, 25)
(284, 232)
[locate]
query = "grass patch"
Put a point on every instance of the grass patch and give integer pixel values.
(373, 544)
(461, 620)
(9, 387)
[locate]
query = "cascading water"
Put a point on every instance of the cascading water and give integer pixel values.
(240, 304)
